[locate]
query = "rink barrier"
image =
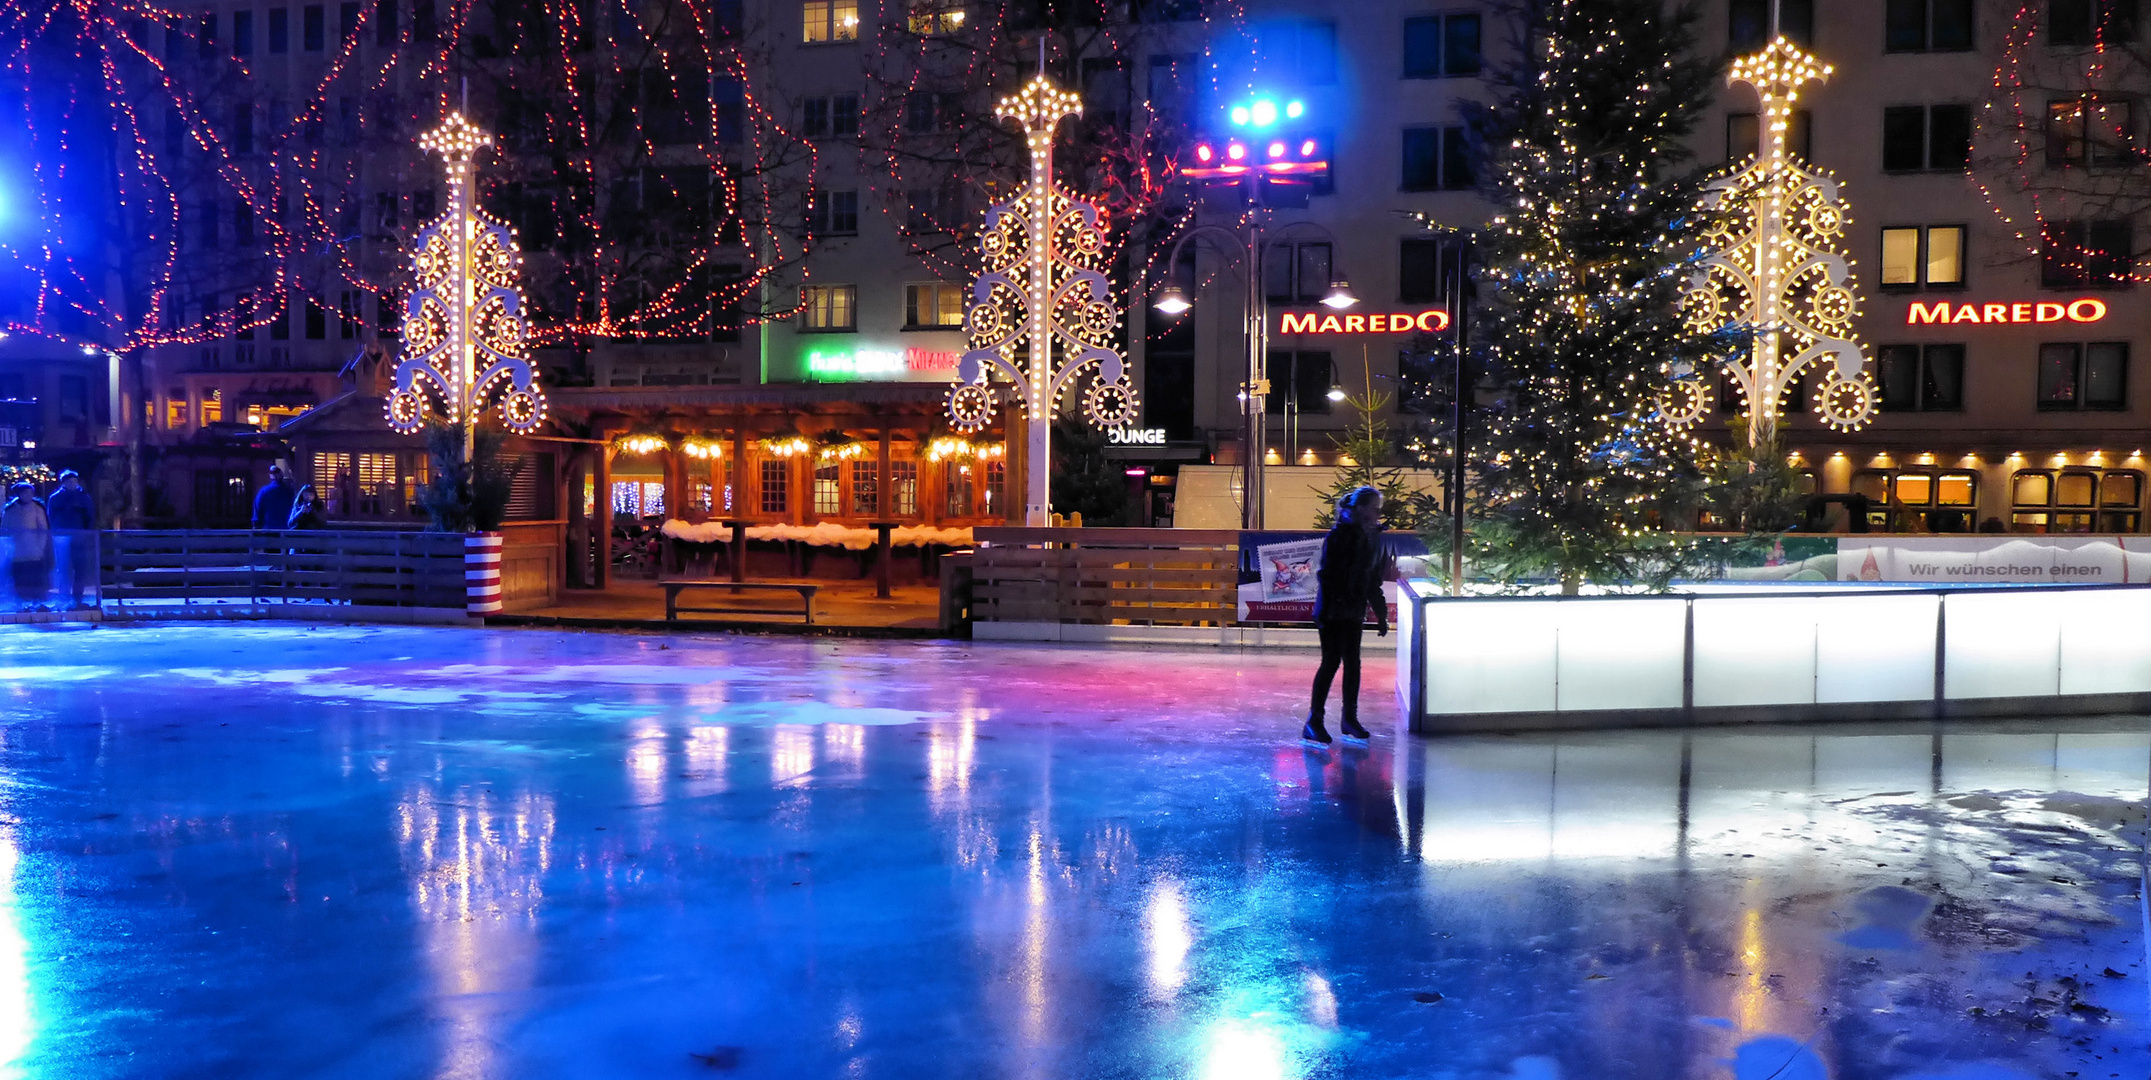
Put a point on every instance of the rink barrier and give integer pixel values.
(481, 572)
(1507, 663)
(1152, 577)
(212, 568)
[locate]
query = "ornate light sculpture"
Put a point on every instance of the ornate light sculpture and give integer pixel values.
(1779, 270)
(464, 337)
(1041, 314)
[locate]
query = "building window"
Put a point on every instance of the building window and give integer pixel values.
(1927, 26)
(175, 409)
(385, 32)
(213, 407)
(1299, 53)
(1299, 381)
(834, 117)
(904, 484)
(2087, 254)
(1921, 378)
(1747, 23)
(832, 213)
(1296, 273)
(1929, 255)
(828, 307)
(1436, 159)
(1919, 500)
(1933, 138)
(776, 485)
(994, 492)
(279, 30)
(242, 33)
(2084, 376)
(1441, 46)
(1744, 136)
(829, 20)
(1422, 276)
(348, 314)
(828, 490)
(2076, 501)
(2090, 130)
(315, 28)
(959, 489)
(865, 488)
(933, 304)
(930, 210)
(934, 16)
(926, 111)
(2085, 23)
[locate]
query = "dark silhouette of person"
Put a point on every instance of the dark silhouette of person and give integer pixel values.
(1348, 584)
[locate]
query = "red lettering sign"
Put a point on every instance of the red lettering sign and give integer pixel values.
(1431, 321)
(1944, 313)
(930, 360)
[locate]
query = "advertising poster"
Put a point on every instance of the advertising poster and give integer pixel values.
(2042, 560)
(1277, 574)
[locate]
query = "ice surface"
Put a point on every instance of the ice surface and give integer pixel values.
(282, 852)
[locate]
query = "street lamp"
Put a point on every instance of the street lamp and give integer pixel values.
(1339, 296)
(1173, 301)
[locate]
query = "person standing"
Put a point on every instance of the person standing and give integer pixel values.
(272, 504)
(1348, 583)
(73, 513)
(306, 510)
(29, 533)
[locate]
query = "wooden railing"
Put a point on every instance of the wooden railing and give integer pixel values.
(373, 568)
(1160, 577)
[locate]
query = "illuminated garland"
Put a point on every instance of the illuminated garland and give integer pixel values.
(203, 139)
(2013, 139)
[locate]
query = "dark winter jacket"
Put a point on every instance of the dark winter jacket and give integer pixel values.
(307, 516)
(1350, 580)
(272, 505)
(75, 509)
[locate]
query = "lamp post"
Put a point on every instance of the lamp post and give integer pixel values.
(1267, 148)
(1250, 250)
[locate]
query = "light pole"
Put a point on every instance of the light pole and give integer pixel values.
(1255, 319)
(1266, 149)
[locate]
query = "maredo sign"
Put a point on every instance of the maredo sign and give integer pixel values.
(1432, 320)
(2043, 311)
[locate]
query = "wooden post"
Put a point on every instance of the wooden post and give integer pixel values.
(576, 566)
(604, 516)
(739, 498)
(883, 519)
(668, 549)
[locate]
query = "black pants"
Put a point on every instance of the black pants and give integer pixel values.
(1340, 646)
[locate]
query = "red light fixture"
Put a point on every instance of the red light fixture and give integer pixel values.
(1204, 154)
(1236, 151)
(1307, 149)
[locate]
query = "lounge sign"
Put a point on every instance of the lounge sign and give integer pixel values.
(1432, 320)
(2042, 311)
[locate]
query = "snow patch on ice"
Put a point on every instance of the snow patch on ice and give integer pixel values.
(57, 673)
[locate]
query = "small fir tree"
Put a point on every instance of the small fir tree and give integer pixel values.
(1370, 455)
(466, 496)
(1580, 329)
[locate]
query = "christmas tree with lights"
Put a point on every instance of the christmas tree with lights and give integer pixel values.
(1583, 269)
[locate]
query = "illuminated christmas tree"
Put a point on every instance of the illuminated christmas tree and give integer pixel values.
(1579, 326)
(1777, 277)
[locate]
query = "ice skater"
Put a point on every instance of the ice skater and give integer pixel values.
(1348, 584)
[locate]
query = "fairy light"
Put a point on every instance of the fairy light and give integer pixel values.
(1042, 316)
(701, 449)
(640, 445)
(1778, 270)
(464, 332)
(785, 446)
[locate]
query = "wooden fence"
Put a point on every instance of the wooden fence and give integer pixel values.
(370, 567)
(1160, 577)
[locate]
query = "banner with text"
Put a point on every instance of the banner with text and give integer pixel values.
(1965, 560)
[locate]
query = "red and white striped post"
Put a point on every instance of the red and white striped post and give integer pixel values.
(481, 572)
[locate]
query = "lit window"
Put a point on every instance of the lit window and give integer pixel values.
(829, 20)
(1916, 255)
(828, 491)
(776, 486)
(828, 307)
(865, 488)
(937, 303)
(935, 16)
(904, 477)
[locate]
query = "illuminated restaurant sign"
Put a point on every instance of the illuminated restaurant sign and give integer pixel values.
(1943, 312)
(1432, 320)
(847, 365)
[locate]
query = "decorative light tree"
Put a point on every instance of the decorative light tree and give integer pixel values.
(1041, 314)
(463, 329)
(1779, 273)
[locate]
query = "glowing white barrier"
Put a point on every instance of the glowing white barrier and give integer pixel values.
(1537, 660)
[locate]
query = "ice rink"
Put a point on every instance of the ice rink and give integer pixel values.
(281, 851)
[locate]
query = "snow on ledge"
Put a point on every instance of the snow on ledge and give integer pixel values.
(820, 534)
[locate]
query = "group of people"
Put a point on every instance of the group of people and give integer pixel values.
(282, 505)
(43, 534)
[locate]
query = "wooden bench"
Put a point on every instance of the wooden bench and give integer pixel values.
(674, 588)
